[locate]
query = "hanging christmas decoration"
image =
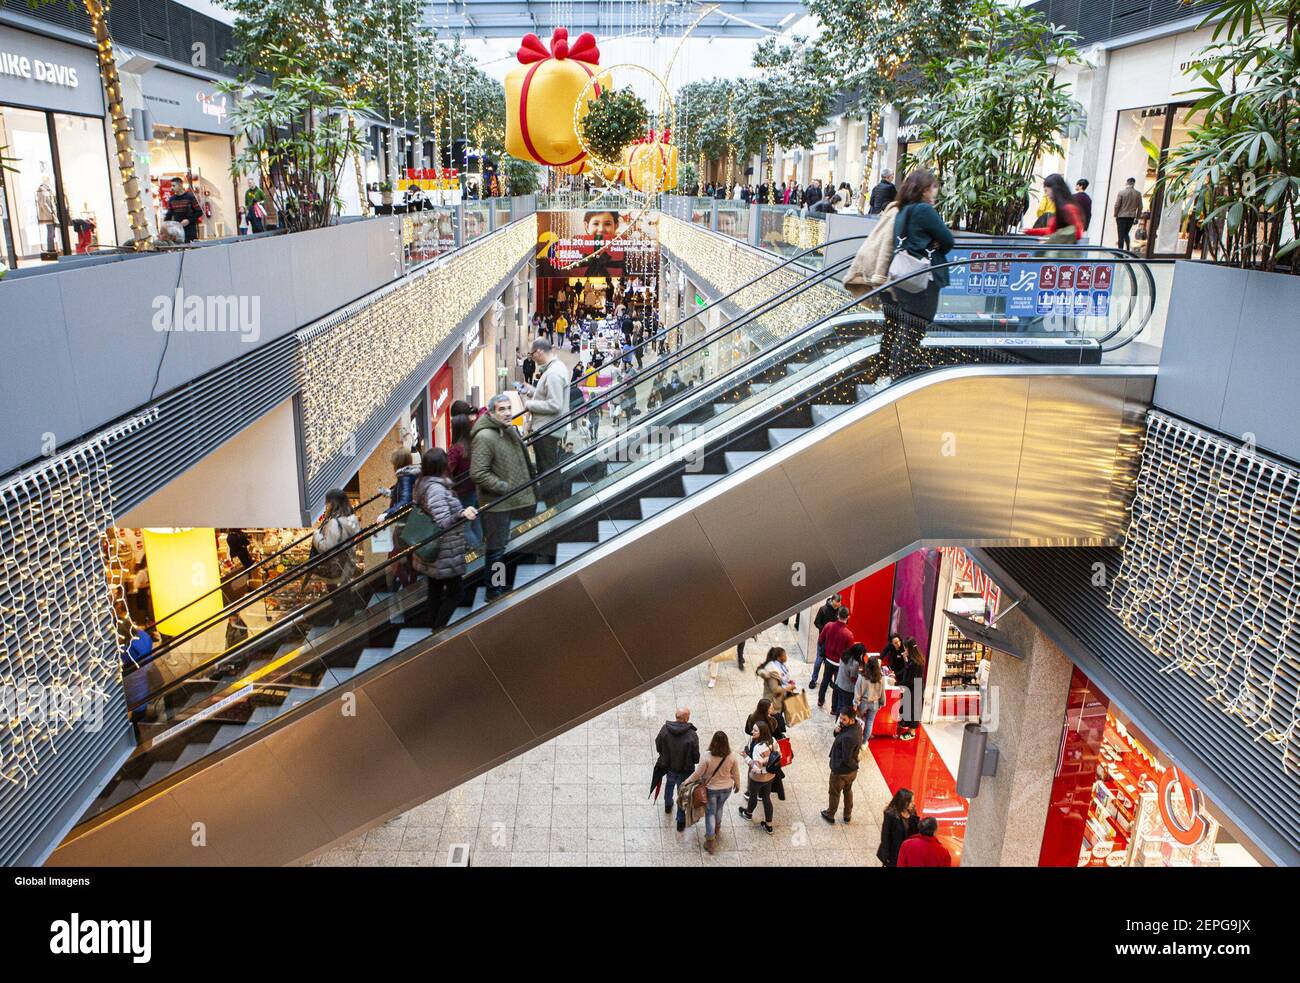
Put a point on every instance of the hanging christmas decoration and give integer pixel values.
(651, 163)
(540, 96)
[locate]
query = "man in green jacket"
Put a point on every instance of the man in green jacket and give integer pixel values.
(498, 465)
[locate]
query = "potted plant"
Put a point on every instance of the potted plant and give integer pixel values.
(386, 192)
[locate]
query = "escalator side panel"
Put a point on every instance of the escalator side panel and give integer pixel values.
(1074, 428)
(694, 602)
(830, 476)
(761, 550)
(963, 446)
(537, 648)
(464, 708)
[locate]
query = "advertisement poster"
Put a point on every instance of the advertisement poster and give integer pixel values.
(597, 243)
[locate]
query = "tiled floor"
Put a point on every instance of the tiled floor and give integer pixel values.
(581, 799)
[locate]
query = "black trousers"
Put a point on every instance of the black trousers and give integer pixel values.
(1123, 226)
(444, 598)
(756, 791)
(829, 670)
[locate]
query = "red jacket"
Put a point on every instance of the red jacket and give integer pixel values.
(1072, 217)
(923, 851)
(834, 639)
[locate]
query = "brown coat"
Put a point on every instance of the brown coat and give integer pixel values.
(870, 268)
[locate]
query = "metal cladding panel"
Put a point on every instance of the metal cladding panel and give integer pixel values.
(537, 648)
(767, 544)
(1241, 775)
(688, 580)
(157, 832)
(466, 719)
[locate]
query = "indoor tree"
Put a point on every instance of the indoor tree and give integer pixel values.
(786, 104)
(991, 111)
(1239, 169)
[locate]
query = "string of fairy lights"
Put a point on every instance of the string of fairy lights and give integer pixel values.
(1208, 576)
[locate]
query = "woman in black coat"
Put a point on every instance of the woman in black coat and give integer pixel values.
(911, 676)
(900, 822)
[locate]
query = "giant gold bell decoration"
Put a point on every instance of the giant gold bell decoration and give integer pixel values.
(540, 96)
(651, 165)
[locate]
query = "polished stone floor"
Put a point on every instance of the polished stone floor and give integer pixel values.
(581, 799)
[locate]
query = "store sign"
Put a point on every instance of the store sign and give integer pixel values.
(185, 101)
(968, 571)
(47, 74)
(473, 337)
(827, 137)
(1188, 827)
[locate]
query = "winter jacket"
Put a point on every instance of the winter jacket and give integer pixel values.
(400, 493)
(438, 499)
(846, 678)
(458, 458)
(550, 400)
(867, 694)
(845, 749)
(870, 267)
(774, 681)
(923, 851)
(499, 463)
(893, 831)
(330, 534)
(882, 194)
(718, 773)
(834, 639)
(678, 745)
(926, 233)
(825, 616)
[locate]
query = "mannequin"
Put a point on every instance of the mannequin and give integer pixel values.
(47, 213)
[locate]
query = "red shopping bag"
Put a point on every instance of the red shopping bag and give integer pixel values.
(787, 752)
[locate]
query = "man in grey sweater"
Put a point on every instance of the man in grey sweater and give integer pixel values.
(547, 401)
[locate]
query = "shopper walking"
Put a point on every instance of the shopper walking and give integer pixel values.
(678, 745)
(719, 770)
(1128, 209)
(763, 759)
(763, 712)
(883, 193)
(911, 678)
(547, 402)
(834, 641)
(459, 456)
(824, 616)
(1067, 223)
(846, 680)
(435, 494)
(923, 849)
(869, 695)
(499, 469)
(845, 749)
(777, 684)
(900, 822)
(1083, 201)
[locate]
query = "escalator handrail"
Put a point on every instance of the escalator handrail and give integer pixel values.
(244, 572)
(564, 420)
(818, 279)
(398, 555)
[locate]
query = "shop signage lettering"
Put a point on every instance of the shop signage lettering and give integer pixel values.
(20, 66)
(968, 571)
(1189, 828)
(212, 105)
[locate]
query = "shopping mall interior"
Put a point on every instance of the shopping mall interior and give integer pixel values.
(649, 433)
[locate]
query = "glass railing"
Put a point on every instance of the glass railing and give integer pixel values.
(788, 229)
(428, 233)
(733, 219)
(841, 358)
(476, 220)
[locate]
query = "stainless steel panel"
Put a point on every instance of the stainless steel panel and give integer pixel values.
(760, 532)
(252, 809)
(156, 833)
(555, 655)
(1074, 430)
(963, 446)
(349, 769)
(855, 489)
(463, 720)
(688, 580)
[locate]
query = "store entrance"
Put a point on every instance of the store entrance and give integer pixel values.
(1164, 229)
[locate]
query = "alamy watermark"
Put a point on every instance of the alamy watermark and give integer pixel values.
(237, 313)
(657, 443)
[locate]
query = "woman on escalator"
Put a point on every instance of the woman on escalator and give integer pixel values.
(1066, 224)
(435, 494)
(920, 232)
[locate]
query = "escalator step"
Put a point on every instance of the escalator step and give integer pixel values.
(409, 636)
(698, 482)
(864, 392)
(224, 735)
(568, 551)
(738, 459)
(608, 529)
(783, 435)
(526, 573)
(822, 412)
(579, 486)
(794, 368)
(379, 597)
(653, 506)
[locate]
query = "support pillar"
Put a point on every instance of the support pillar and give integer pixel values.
(1026, 707)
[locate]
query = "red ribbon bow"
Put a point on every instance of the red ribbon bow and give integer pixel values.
(532, 48)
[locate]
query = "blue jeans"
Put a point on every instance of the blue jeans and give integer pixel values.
(671, 781)
(713, 809)
(473, 530)
(868, 721)
(817, 664)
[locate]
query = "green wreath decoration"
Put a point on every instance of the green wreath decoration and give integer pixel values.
(614, 119)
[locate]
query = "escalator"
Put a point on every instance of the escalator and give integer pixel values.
(708, 515)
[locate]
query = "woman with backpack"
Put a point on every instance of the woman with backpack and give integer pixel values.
(435, 496)
(719, 770)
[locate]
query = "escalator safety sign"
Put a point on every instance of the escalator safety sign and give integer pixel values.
(1032, 288)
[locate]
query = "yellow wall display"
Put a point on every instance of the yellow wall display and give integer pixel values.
(182, 568)
(540, 96)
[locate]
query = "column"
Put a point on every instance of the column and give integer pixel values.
(1026, 706)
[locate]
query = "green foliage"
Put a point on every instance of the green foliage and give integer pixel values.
(1239, 170)
(296, 138)
(687, 176)
(614, 119)
(992, 110)
(523, 177)
(705, 119)
(789, 100)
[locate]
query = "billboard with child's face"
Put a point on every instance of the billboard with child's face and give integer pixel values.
(597, 243)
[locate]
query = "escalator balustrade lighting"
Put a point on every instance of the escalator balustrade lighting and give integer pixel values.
(1207, 579)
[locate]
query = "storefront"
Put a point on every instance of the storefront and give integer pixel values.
(1117, 801)
(57, 198)
(954, 686)
(439, 406)
(478, 367)
(192, 144)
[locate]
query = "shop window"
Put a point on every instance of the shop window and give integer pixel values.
(1164, 227)
(31, 187)
(210, 166)
(82, 163)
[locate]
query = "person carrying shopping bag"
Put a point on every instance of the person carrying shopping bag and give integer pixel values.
(763, 758)
(719, 773)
